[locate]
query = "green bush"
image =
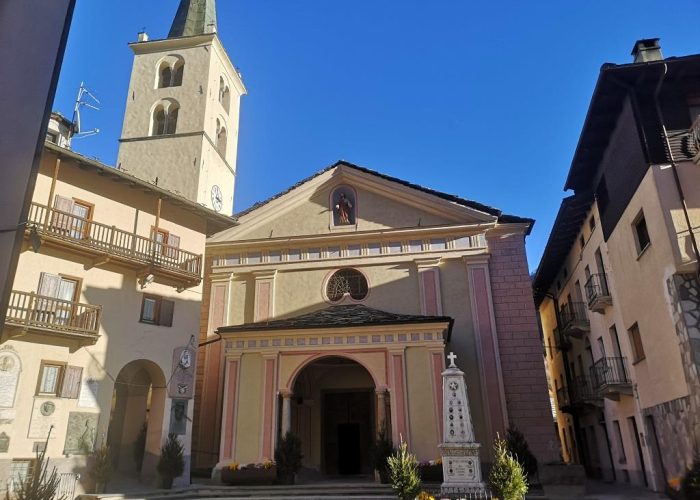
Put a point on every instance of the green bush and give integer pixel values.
(288, 457)
(507, 478)
(172, 461)
(690, 486)
(381, 451)
(518, 447)
(403, 473)
(39, 485)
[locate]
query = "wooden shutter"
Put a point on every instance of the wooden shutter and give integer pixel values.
(49, 285)
(166, 312)
(71, 382)
(173, 245)
(62, 220)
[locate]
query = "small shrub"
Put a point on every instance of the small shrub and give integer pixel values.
(288, 457)
(507, 478)
(403, 473)
(690, 485)
(40, 484)
(100, 467)
(172, 461)
(381, 451)
(518, 447)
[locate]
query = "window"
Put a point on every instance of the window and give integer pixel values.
(224, 95)
(641, 234)
(59, 380)
(164, 118)
(346, 282)
(57, 294)
(20, 470)
(157, 310)
(636, 341)
(170, 72)
(71, 217)
(52, 137)
(178, 71)
(221, 138)
(166, 75)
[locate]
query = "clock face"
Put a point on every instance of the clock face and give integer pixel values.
(217, 199)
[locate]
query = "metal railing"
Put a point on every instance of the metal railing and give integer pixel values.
(581, 391)
(27, 309)
(695, 134)
(596, 286)
(573, 312)
(111, 240)
(66, 485)
(609, 371)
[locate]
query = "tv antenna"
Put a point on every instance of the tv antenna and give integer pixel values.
(87, 99)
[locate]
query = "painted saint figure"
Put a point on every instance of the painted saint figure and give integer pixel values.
(344, 208)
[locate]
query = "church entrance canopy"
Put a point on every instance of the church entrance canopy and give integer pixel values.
(334, 377)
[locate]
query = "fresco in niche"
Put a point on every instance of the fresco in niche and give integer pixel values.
(344, 207)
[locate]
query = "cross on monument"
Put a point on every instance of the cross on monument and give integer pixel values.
(452, 356)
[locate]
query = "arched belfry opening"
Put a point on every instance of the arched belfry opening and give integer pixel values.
(333, 409)
(136, 432)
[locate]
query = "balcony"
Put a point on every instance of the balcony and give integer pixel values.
(610, 378)
(563, 342)
(168, 264)
(28, 312)
(694, 139)
(574, 321)
(579, 397)
(597, 293)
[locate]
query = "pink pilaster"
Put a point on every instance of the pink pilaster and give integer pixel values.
(268, 409)
(437, 361)
(398, 403)
(230, 408)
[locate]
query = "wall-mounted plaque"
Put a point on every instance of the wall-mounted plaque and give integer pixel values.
(182, 380)
(44, 415)
(81, 432)
(9, 377)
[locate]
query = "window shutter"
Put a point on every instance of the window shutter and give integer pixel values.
(71, 382)
(49, 284)
(62, 220)
(166, 312)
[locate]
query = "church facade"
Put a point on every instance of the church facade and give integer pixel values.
(334, 302)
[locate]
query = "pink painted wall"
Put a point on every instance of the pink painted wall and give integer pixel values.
(398, 399)
(268, 410)
(230, 408)
(519, 344)
(430, 293)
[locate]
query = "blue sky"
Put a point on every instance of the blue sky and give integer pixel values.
(484, 100)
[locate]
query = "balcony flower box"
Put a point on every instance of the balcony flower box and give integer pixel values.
(249, 474)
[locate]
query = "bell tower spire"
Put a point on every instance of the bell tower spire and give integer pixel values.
(194, 17)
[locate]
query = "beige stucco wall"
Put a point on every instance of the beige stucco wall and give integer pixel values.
(123, 338)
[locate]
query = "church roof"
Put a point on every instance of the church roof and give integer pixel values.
(194, 17)
(503, 218)
(339, 317)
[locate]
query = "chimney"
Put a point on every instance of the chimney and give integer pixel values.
(143, 36)
(647, 50)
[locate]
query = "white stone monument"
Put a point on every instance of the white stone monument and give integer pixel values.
(461, 466)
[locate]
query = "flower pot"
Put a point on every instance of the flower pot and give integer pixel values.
(249, 476)
(166, 482)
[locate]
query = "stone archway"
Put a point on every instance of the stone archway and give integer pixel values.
(136, 419)
(333, 409)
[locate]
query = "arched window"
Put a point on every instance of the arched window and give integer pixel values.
(224, 94)
(171, 118)
(165, 75)
(158, 127)
(221, 89)
(178, 71)
(164, 117)
(347, 282)
(221, 138)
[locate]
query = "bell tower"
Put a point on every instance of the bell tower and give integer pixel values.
(182, 110)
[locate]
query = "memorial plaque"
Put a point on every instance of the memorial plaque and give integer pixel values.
(44, 416)
(182, 380)
(9, 377)
(81, 432)
(88, 394)
(4, 442)
(178, 417)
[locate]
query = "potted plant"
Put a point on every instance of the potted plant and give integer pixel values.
(381, 451)
(172, 461)
(403, 471)
(100, 467)
(236, 474)
(288, 458)
(507, 478)
(42, 485)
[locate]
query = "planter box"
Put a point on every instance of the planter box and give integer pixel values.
(431, 473)
(249, 476)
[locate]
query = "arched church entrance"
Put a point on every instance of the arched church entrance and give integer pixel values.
(136, 420)
(334, 412)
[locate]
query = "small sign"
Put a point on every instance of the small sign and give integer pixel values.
(4, 442)
(182, 380)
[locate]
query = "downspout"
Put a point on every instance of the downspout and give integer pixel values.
(674, 169)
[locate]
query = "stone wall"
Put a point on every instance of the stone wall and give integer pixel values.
(672, 428)
(520, 346)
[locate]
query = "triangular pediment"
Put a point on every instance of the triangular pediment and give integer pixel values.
(373, 202)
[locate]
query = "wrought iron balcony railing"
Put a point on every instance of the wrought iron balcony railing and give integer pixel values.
(610, 377)
(574, 320)
(115, 243)
(577, 396)
(695, 139)
(28, 310)
(597, 292)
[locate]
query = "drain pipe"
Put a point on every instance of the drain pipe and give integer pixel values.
(674, 169)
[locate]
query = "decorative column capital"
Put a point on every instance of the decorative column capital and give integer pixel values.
(286, 393)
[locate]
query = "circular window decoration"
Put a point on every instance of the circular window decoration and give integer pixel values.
(346, 282)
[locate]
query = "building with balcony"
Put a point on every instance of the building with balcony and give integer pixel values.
(617, 287)
(99, 343)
